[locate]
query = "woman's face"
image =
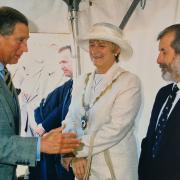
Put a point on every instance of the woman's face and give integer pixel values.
(102, 54)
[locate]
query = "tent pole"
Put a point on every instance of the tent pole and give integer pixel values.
(73, 7)
(129, 13)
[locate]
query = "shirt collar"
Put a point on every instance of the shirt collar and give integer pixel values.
(178, 84)
(2, 70)
(1, 67)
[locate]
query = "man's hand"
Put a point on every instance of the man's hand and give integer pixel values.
(79, 167)
(54, 142)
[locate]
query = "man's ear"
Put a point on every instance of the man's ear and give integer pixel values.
(1, 40)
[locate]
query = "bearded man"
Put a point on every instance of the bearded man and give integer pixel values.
(160, 149)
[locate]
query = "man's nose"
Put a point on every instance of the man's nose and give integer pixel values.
(24, 47)
(160, 59)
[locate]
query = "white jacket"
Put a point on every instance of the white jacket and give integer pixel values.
(111, 118)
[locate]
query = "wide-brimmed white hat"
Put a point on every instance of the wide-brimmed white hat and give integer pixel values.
(107, 32)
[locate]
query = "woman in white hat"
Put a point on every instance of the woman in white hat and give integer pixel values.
(103, 109)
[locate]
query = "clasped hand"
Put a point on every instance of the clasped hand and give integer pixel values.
(79, 167)
(56, 142)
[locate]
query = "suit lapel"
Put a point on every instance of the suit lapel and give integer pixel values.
(8, 96)
(17, 109)
(10, 106)
(159, 101)
(174, 117)
(88, 88)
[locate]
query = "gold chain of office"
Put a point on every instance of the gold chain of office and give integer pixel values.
(102, 93)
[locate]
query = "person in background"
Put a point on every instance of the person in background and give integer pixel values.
(36, 77)
(50, 110)
(103, 109)
(48, 116)
(14, 150)
(160, 157)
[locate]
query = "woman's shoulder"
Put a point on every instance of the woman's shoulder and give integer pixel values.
(128, 73)
(128, 76)
(82, 78)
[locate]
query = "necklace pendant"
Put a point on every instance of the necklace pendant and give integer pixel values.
(84, 120)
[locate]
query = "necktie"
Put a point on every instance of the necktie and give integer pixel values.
(163, 121)
(8, 80)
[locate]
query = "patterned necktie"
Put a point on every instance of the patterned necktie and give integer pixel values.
(163, 121)
(8, 80)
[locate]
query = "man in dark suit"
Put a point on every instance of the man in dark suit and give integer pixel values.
(160, 149)
(49, 115)
(14, 150)
(54, 108)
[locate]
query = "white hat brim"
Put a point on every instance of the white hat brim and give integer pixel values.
(126, 49)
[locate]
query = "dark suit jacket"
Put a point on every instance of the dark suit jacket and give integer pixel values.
(167, 165)
(50, 114)
(54, 109)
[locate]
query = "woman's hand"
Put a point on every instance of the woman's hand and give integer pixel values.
(65, 162)
(79, 167)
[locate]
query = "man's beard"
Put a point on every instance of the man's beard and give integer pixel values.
(171, 72)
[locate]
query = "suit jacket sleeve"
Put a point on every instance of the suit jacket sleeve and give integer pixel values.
(13, 148)
(16, 150)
